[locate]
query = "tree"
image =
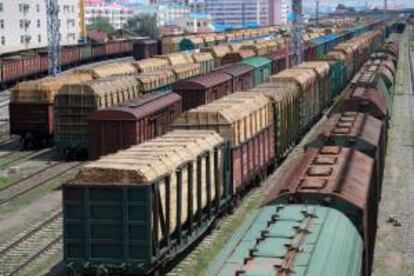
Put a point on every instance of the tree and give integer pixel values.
(144, 24)
(101, 24)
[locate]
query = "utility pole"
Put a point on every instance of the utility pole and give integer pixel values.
(297, 30)
(317, 12)
(53, 36)
(385, 7)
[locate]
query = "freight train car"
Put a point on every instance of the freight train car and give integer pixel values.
(115, 128)
(292, 239)
(163, 195)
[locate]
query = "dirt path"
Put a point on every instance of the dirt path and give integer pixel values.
(394, 252)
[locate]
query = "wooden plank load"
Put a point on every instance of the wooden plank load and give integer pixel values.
(31, 108)
(150, 65)
(75, 102)
(244, 119)
(110, 69)
(165, 193)
(306, 79)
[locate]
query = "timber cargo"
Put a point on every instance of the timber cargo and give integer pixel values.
(150, 65)
(161, 195)
(340, 178)
(131, 123)
(286, 102)
(244, 119)
(322, 71)
(31, 108)
(111, 69)
(74, 103)
(307, 82)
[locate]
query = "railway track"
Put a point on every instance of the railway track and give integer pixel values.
(35, 180)
(21, 252)
(13, 157)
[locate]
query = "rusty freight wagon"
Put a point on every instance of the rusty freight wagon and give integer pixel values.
(31, 108)
(131, 123)
(336, 177)
(203, 89)
(244, 119)
(74, 103)
(359, 131)
(242, 75)
(136, 210)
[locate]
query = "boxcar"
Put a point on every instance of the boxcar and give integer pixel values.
(242, 75)
(134, 211)
(131, 123)
(237, 56)
(280, 61)
(359, 131)
(31, 108)
(262, 68)
(218, 53)
(74, 103)
(330, 176)
(85, 52)
(144, 48)
(203, 89)
(12, 68)
(244, 119)
(274, 235)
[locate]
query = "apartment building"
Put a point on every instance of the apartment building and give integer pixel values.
(116, 14)
(23, 24)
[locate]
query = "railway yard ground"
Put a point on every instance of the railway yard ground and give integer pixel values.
(394, 252)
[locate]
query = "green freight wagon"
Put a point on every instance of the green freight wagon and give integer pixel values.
(263, 68)
(134, 211)
(292, 240)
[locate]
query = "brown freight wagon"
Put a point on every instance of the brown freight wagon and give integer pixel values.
(365, 100)
(246, 120)
(203, 89)
(356, 130)
(340, 178)
(134, 122)
(242, 75)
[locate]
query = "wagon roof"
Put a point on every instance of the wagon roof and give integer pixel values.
(354, 124)
(336, 55)
(303, 76)
(277, 91)
(237, 69)
(144, 163)
(101, 87)
(45, 90)
(202, 56)
(241, 53)
(229, 109)
(321, 67)
(329, 171)
(112, 69)
(149, 63)
(218, 51)
(257, 61)
(138, 108)
(368, 94)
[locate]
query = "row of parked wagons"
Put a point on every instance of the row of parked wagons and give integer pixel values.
(33, 63)
(33, 103)
(136, 210)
